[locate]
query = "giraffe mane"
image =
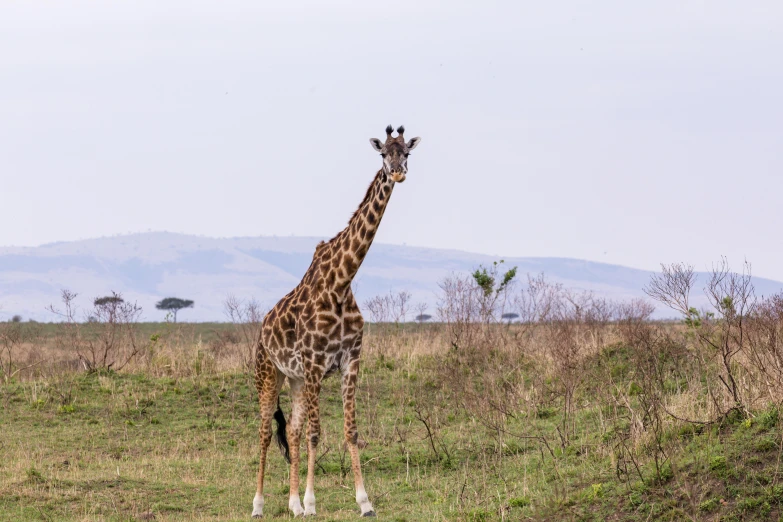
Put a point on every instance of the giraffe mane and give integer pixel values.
(367, 196)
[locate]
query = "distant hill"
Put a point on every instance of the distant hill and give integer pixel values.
(147, 267)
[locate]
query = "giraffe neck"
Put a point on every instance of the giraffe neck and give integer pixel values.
(352, 244)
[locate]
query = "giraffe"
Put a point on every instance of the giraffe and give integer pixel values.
(315, 331)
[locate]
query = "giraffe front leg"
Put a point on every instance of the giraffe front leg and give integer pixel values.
(294, 439)
(312, 392)
(352, 436)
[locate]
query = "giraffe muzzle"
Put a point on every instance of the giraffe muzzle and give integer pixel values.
(398, 176)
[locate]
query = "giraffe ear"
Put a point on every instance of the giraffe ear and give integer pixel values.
(376, 144)
(412, 144)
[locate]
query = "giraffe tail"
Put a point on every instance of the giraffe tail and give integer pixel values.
(282, 440)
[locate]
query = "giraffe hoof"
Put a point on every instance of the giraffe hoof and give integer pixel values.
(369, 514)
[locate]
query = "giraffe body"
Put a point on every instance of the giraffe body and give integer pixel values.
(316, 331)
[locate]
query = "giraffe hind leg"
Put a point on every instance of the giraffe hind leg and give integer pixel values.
(269, 380)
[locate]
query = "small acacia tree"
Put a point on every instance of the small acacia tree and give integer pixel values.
(510, 316)
(493, 287)
(108, 301)
(174, 305)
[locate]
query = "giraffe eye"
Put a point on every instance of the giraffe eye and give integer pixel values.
(383, 154)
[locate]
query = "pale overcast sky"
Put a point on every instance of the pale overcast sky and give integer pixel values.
(627, 132)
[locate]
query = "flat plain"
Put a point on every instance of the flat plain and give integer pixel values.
(450, 435)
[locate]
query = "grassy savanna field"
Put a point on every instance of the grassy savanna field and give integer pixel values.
(175, 436)
(583, 410)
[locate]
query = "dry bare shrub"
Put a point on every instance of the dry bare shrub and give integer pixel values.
(573, 326)
(16, 337)
(377, 308)
(719, 335)
(429, 402)
(387, 314)
(400, 304)
(246, 316)
(657, 361)
(483, 368)
(458, 309)
(472, 308)
(534, 301)
(108, 340)
(488, 360)
(632, 319)
(765, 345)
(422, 316)
(390, 308)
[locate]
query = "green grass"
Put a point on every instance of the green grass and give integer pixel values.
(117, 446)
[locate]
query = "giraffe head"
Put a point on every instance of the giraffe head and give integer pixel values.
(395, 153)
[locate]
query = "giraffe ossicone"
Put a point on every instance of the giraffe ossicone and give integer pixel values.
(316, 330)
